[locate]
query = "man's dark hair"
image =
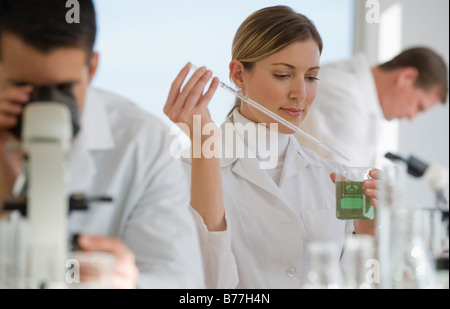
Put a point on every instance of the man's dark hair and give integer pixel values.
(432, 68)
(42, 24)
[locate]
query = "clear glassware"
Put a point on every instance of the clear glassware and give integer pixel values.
(412, 264)
(325, 271)
(13, 253)
(360, 266)
(405, 259)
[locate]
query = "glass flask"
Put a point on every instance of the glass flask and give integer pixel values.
(412, 264)
(404, 257)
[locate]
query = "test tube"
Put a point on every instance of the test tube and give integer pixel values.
(277, 117)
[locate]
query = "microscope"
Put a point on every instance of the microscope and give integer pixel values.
(46, 129)
(436, 175)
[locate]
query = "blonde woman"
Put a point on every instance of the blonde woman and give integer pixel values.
(255, 224)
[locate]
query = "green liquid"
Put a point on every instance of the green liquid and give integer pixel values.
(351, 202)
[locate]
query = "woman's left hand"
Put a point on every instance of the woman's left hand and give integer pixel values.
(371, 186)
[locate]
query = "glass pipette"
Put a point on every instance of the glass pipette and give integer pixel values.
(277, 117)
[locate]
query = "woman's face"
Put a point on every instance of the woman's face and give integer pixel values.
(285, 83)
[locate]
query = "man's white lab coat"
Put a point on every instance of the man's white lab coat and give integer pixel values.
(346, 113)
(123, 152)
(269, 227)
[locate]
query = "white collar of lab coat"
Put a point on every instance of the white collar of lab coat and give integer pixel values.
(303, 156)
(95, 134)
(249, 169)
(95, 122)
(262, 133)
(296, 159)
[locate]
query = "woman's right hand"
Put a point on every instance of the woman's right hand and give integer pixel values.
(181, 107)
(184, 103)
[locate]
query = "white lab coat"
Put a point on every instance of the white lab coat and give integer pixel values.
(346, 113)
(123, 152)
(269, 227)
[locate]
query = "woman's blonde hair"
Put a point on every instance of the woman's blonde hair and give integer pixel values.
(266, 32)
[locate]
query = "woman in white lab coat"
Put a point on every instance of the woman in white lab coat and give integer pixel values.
(255, 224)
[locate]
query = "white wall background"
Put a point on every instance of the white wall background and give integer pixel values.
(403, 24)
(144, 43)
(428, 136)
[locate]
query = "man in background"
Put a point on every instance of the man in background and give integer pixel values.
(354, 99)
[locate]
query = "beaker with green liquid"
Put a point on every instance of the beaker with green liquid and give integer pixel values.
(351, 202)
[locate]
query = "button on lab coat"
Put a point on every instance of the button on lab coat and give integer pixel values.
(123, 152)
(269, 227)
